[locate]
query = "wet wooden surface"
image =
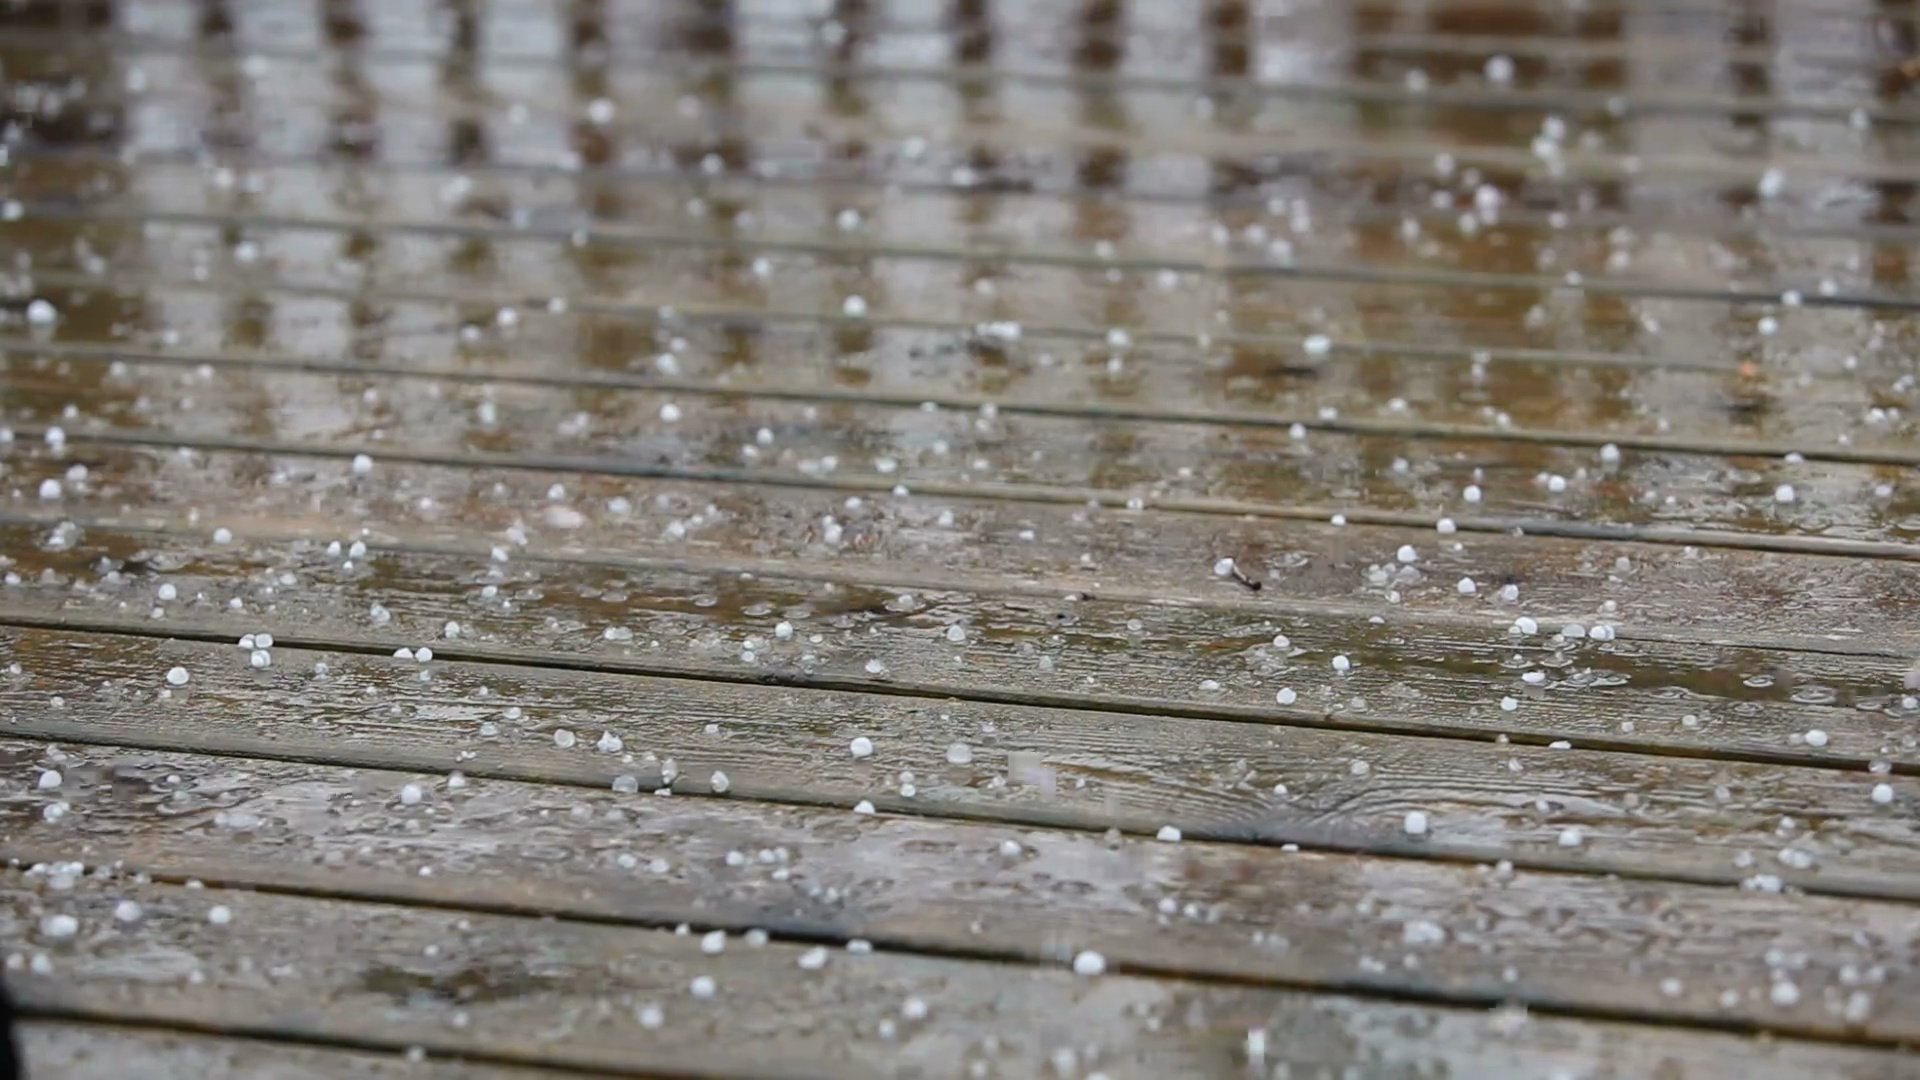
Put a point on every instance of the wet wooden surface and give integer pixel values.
(1079, 538)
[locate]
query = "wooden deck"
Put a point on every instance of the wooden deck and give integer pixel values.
(960, 538)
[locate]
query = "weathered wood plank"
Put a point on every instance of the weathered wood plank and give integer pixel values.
(1119, 652)
(1634, 815)
(213, 99)
(859, 447)
(1352, 69)
(1103, 314)
(990, 892)
(1429, 392)
(71, 1050)
(1515, 237)
(1525, 259)
(1641, 591)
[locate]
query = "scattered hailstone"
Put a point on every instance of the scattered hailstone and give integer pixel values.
(1882, 794)
(1816, 738)
(362, 464)
(1416, 823)
(1286, 696)
(41, 312)
(861, 747)
(1784, 494)
(1317, 345)
(854, 307)
(1168, 834)
(1089, 963)
(177, 676)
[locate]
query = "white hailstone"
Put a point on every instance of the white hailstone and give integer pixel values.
(223, 535)
(411, 794)
(670, 413)
(1883, 794)
(1767, 325)
(1011, 849)
(600, 111)
(1610, 454)
(564, 739)
(423, 654)
(1089, 963)
(861, 747)
(1471, 493)
(1466, 587)
(1118, 338)
(1168, 834)
(219, 914)
(783, 631)
(1509, 704)
(914, 1009)
(702, 987)
(49, 779)
(1499, 69)
(1416, 823)
(1286, 696)
(362, 464)
(1534, 678)
(1524, 625)
(651, 1017)
(610, 743)
(41, 312)
(167, 591)
(59, 927)
(854, 307)
(1341, 664)
(1784, 994)
(50, 489)
(1317, 345)
(959, 754)
(813, 959)
(177, 676)
(1570, 837)
(1407, 554)
(1509, 593)
(1556, 483)
(1816, 738)
(1784, 494)
(956, 634)
(864, 806)
(127, 911)
(1337, 520)
(1445, 527)
(714, 942)
(1772, 182)
(719, 783)
(260, 658)
(1223, 567)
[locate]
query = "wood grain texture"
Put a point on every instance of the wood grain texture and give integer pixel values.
(1123, 652)
(70, 1050)
(516, 268)
(1713, 821)
(1256, 471)
(575, 993)
(1436, 391)
(984, 892)
(1649, 592)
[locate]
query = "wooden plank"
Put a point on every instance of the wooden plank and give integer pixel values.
(997, 230)
(1643, 591)
(1350, 69)
(1114, 650)
(1259, 471)
(1556, 942)
(211, 99)
(71, 1050)
(1711, 821)
(1444, 393)
(1089, 305)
